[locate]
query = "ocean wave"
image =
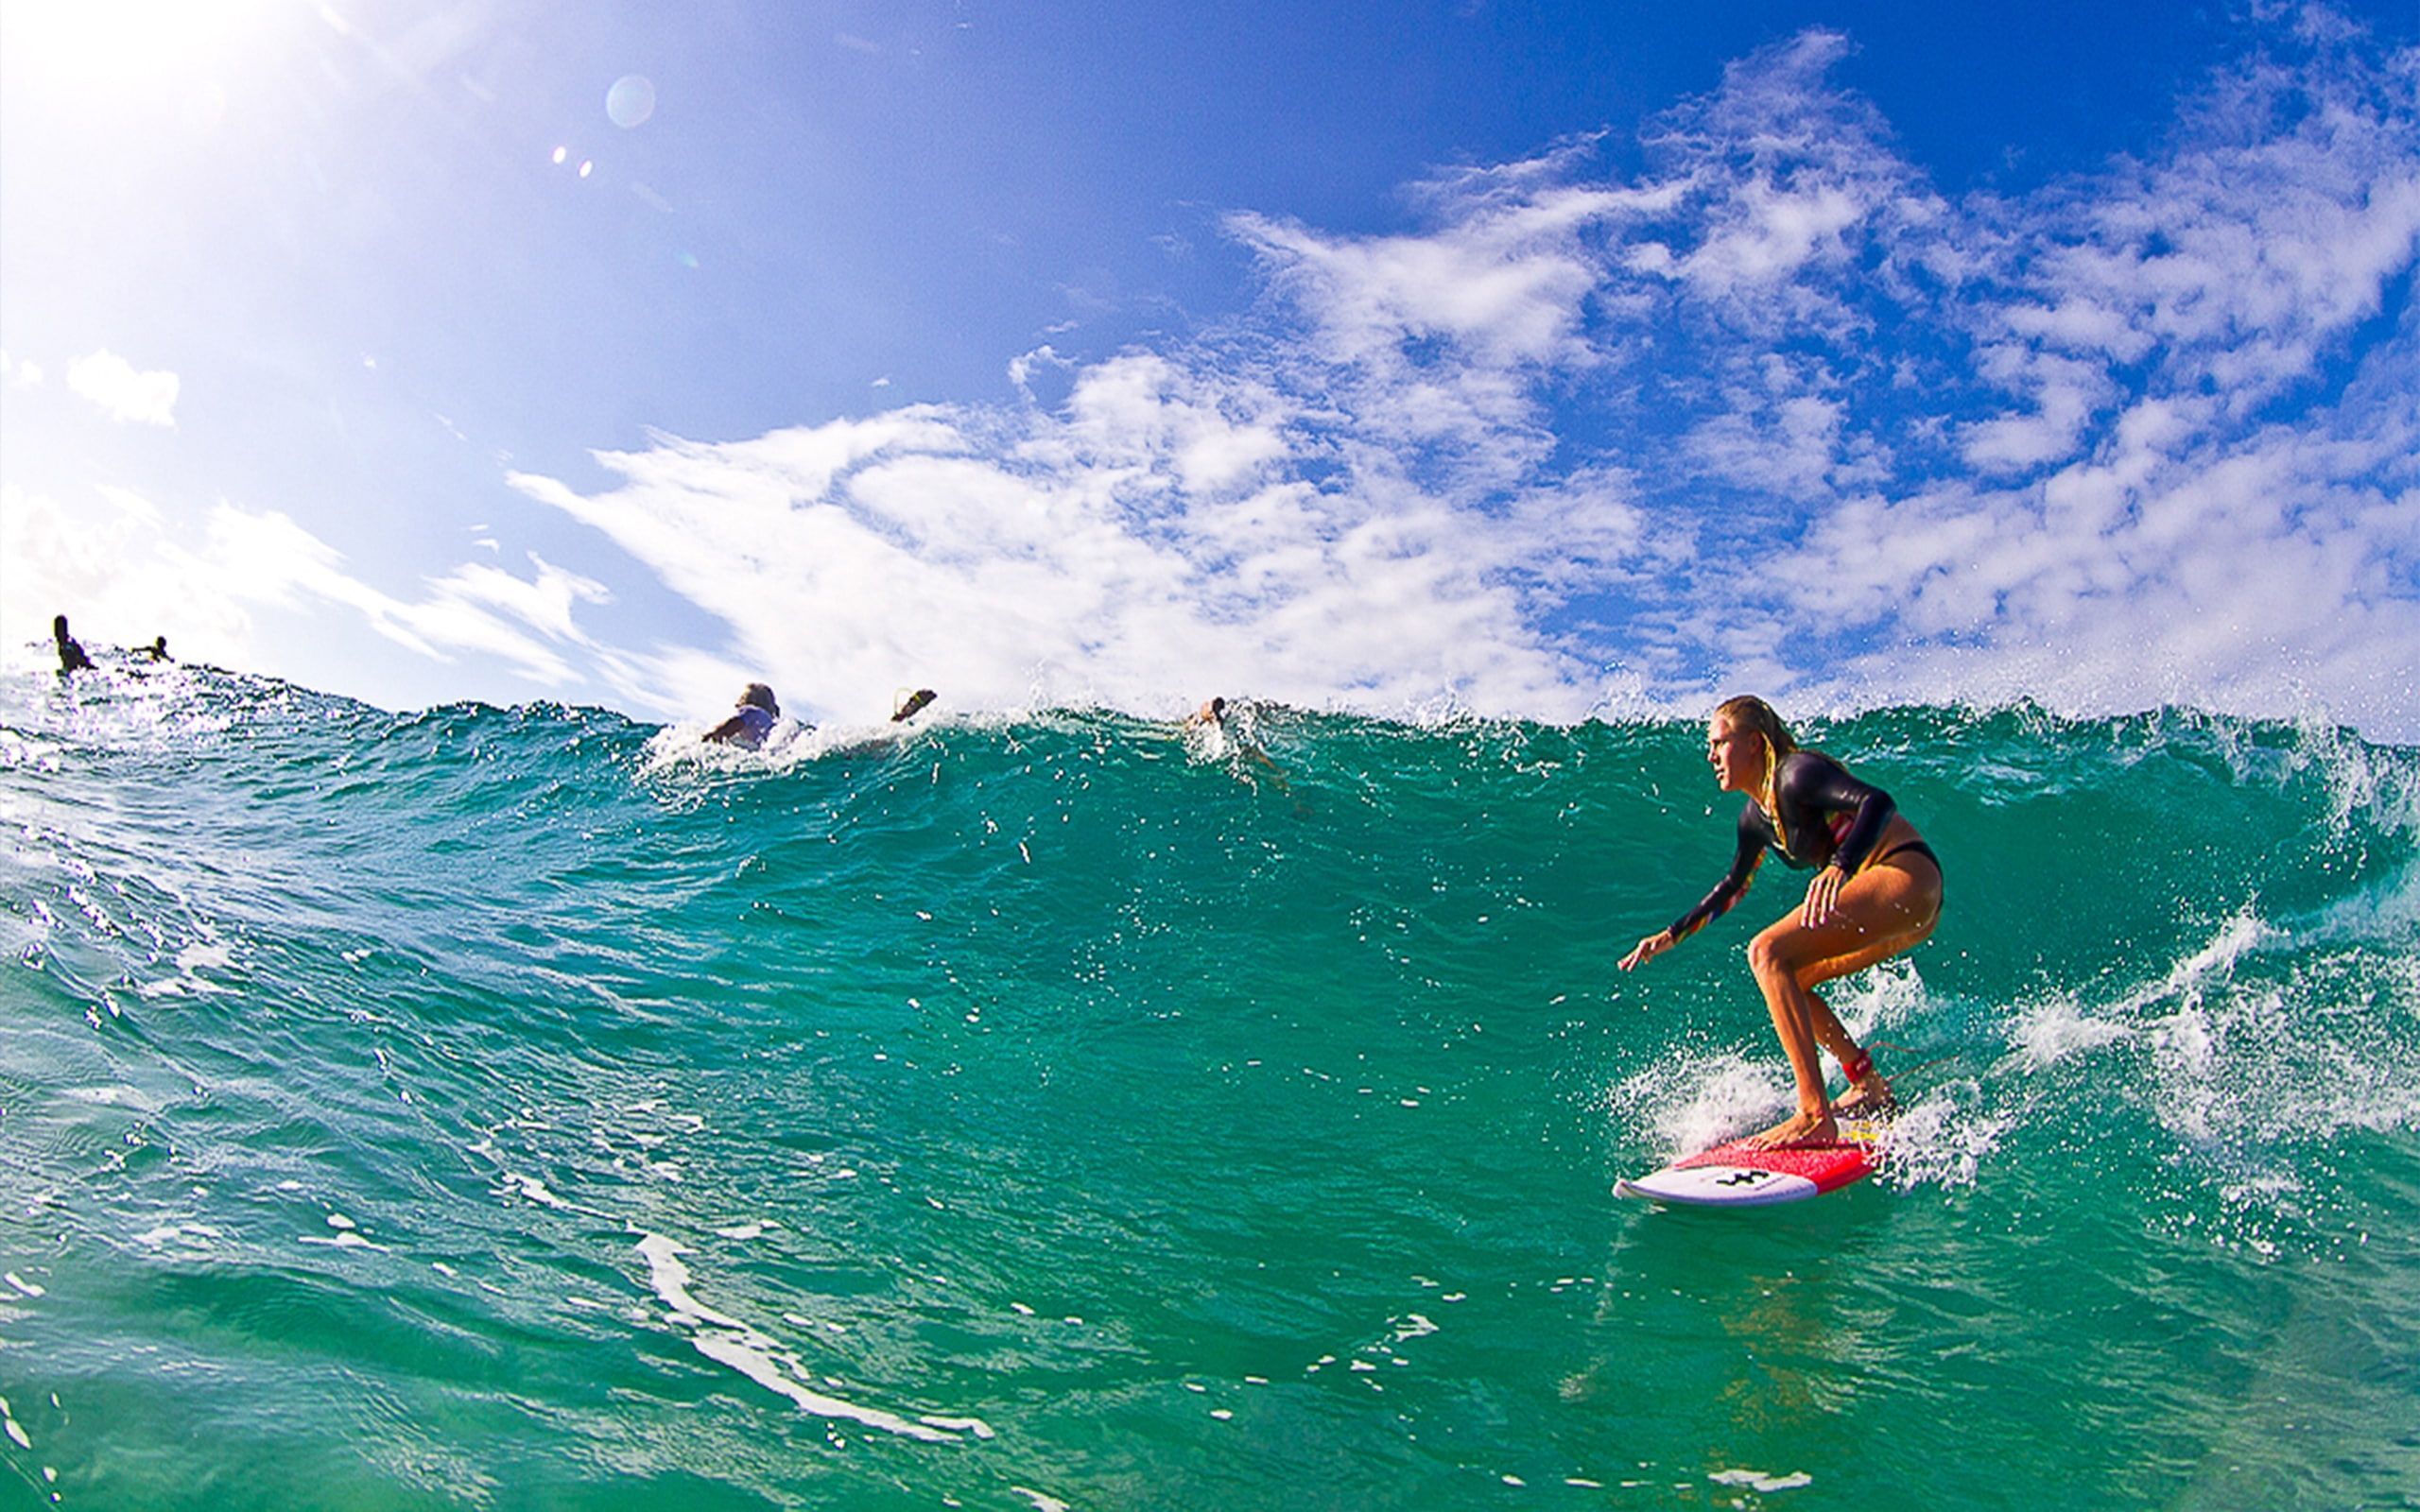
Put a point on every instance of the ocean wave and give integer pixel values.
(1024, 1085)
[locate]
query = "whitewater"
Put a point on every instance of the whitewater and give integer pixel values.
(533, 1108)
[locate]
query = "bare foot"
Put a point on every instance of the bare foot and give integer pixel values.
(1870, 1098)
(1801, 1131)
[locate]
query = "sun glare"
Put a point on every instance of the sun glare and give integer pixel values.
(104, 43)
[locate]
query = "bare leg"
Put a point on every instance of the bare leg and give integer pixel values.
(1868, 1091)
(1880, 913)
(1793, 1010)
(1829, 1032)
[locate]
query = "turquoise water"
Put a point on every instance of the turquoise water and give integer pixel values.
(524, 1108)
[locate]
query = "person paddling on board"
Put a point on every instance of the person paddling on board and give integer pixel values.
(71, 653)
(1876, 892)
(750, 722)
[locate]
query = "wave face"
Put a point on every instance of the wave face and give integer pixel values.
(529, 1107)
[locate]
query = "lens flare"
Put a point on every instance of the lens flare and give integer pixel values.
(630, 101)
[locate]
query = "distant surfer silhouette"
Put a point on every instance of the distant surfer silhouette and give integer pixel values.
(910, 705)
(750, 722)
(1876, 893)
(157, 650)
(71, 655)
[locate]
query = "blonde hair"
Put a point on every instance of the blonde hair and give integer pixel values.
(1748, 712)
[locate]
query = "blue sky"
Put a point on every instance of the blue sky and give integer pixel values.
(1540, 360)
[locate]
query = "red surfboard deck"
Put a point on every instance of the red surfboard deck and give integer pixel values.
(1733, 1176)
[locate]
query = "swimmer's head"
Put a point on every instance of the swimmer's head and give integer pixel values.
(58, 625)
(760, 697)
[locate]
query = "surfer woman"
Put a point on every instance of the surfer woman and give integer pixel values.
(1876, 892)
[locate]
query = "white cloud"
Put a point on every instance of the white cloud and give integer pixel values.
(118, 566)
(266, 559)
(1777, 411)
(1788, 186)
(543, 603)
(1779, 414)
(2234, 262)
(1504, 284)
(2065, 393)
(128, 395)
(2078, 323)
(1774, 231)
(1099, 556)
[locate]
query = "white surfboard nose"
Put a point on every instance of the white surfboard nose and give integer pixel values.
(1719, 1186)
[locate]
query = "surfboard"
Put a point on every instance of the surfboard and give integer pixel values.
(1733, 1176)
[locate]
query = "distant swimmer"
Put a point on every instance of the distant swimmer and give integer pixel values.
(157, 650)
(750, 722)
(911, 705)
(1235, 738)
(1876, 893)
(71, 655)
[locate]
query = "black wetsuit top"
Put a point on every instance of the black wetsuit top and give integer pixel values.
(71, 656)
(1829, 816)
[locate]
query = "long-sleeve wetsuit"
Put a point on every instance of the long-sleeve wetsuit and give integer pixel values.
(1829, 816)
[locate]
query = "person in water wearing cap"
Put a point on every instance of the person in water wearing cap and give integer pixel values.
(1875, 894)
(750, 722)
(71, 655)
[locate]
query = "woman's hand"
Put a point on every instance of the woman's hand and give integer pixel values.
(1823, 896)
(1648, 949)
